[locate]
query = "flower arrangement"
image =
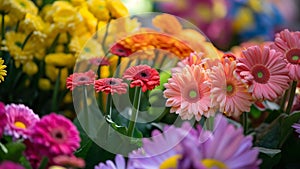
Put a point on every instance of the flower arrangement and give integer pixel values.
(81, 85)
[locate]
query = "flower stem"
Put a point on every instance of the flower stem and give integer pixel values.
(55, 93)
(283, 100)
(3, 26)
(85, 108)
(291, 99)
(245, 122)
(118, 67)
(109, 105)
(136, 107)
(105, 34)
(26, 40)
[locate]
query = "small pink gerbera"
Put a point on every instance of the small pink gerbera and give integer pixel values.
(143, 76)
(55, 135)
(188, 94)
(69, 161)
(288, 43)
(99, 61)
(265, 70)
(228, 93)
(120, 50)
(111, 85)
(20, 120)
(194, 59)
(80, 79)
(3, 118)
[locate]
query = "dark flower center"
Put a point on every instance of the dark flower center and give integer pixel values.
(82, 78)
(293, 56)
(58, 135)
(112, 82)
(260, 73)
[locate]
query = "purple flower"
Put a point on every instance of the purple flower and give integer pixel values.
(119, 164)
(3, 118)
(297, 127)
(20, 120)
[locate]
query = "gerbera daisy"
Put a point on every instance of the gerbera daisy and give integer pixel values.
(287, 43)
(265, 70)
(3, 118)
(228, 93)
(188, 94)
(20, 120)
(194, 59)
(297, 127)
(2, 71)
(99, 61)
(111, 85)
(227, 148)
(69, 161)
(120, 50)
(55, 135)
(119, 164)
(143, 76)
(80, 79)
(10, 165)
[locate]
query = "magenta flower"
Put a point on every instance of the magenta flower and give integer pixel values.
(265, 70)
(69, 161)
(111, 85)
(296, 126)
(55, 135)
(10, 165)
(120, 50)
(3, 118)
(80, 79)
(20, 120)
(288, 44)
(142, 76)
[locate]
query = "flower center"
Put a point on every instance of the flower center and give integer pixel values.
(212, 163)
(144, 74)
(229, 88)
(20, 125)
(58, 135)
(261, 74)
(191, 94)
(170, 162)
(82, 79)
(111, 82)
(293, 56)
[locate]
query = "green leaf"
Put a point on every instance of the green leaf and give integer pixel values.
(24, 162)
(85, 143)
(121, 129)
(255, 113)
(270, 152)
(14, 151)
(286, 126)
(43, 163)
(269, 162)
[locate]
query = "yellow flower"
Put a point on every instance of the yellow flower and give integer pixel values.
(167, 23)
(18, 8)
(14, 42)
(89, 19)
(33, 23)
(87, 48)
(99, 9)
(44, 84)
(60, 60)
(117, 8)
(4, 5)
(68, 98)
(244, 19)
(104, 72)
(80, 3)
(2, 71)
(30, 68)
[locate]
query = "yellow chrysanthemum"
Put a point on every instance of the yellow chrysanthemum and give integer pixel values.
(32, 23)
(79, 3)
(117, 8)
(2, 71)
(87, 48)
(44, 84)
(89, 19)
(30, 68)
(14, 42)
(244, 19)
(60, 60)
(18, 8)
(4, 5)
(99, 9)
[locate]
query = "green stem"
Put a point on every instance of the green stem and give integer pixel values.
(283, 100)
(136, 106)
(245, 122)
(26, 40)
(291, 99)
(3, 26)
(109, 105)
(85, 109)
(118, 67)
(53, 45)
(17, 26)
(209, 122)
(105, 34)
(55, 93)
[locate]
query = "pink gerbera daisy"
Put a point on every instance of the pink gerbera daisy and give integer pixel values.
(120, 50)
(111, 85)
(194, 59)
(228, 93)
(143, 76)
(3, 118)
(69, 161)
(80, 79)
(188, 94)
(99, 61)
(55, 135)
(20, 120)
(265, 70)
(288, 43)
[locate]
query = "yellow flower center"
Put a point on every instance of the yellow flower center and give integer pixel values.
(212, 163)
(170, 162)
(20, 124)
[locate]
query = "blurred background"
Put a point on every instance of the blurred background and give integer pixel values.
(228, 22)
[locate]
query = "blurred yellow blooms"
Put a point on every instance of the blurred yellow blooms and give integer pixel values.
(30, 68)
(117, 8)
(44, 84)
(19, 8)
(60, 60)
(89, 19)
(99, 9)
(68, 98)
(104, 72)
(244, 19)
(33, 23)
(2, 71)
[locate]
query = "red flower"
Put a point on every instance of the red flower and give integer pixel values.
(99, 61)
(111, 85)
(120, 50)
(80, 79)
(143, 76)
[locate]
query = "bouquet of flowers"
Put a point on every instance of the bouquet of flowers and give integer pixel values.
(150, 91)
